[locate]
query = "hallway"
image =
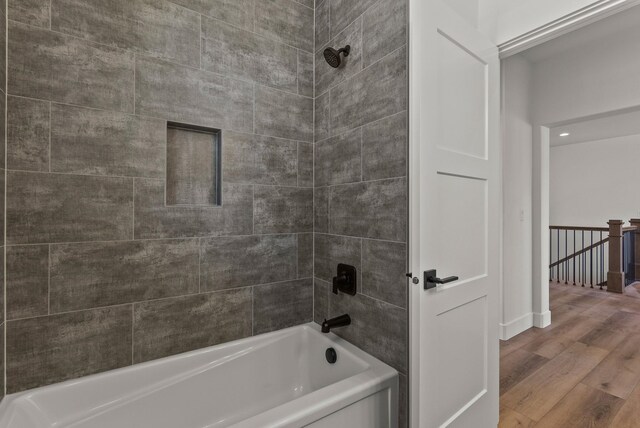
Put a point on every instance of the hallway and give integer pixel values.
(582, 371)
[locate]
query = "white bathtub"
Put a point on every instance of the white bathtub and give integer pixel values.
(279, 379)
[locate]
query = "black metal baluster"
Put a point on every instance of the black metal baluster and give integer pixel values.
(583, 267)
(566, 265)
(597, 264)
(601, 262)
(558, 254)
(624, 262)
(551, 254)
(574, 257)
(591, 260)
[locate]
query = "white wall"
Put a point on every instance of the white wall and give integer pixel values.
(599, 77)
(591, 183)
(517, 187)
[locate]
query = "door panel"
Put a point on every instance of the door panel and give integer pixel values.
(454, 219)
(463, 379)
(462, 93)
(461, 209)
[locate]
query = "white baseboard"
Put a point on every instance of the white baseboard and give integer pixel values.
(542, 320)
(516, 326)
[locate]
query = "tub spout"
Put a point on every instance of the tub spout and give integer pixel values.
(340, 321)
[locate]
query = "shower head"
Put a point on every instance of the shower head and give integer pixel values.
(333, 56)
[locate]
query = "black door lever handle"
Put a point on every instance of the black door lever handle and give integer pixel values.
(431, 279)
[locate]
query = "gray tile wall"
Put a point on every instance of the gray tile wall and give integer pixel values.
(3, 134)
(314, 173)
(101, 271)
(360, 195)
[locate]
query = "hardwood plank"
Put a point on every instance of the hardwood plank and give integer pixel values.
(619, 372)
(538, 393)
(627, 322)
(553, 342)
(517, 366)
(629, 304)
(629, 415)
(622, 303)
(549, 347)
(564, 313)
(603, 310)
(576, 327)
(517, 342)
(582, 407)
(584, 300)
(604, 337)
(512, 419)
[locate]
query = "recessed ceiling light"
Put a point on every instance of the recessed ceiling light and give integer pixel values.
(565, 134)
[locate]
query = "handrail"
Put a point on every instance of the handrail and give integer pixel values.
(613, 260)
(576, 256)
(595, 229)
(584, 250)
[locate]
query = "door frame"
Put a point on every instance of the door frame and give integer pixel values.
(528, 39)
(580, 18)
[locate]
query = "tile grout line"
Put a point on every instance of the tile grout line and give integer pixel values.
(135, 65)
(302, 4)
(361, 269)
(298, 72)
(364, 125)
(367, 296)
(200, 44)
(361, 154)
(298, 164)
(313, 174)
(132, 330)
(133, 209)
(253, 303)
(49, 279)
(390, 241)
(362, 38)
(253, 30)
(4, 200)
(149, 56)
(164, 119)
(347, 79)
(142, 240)
(159, 299)
(50, 126)
(235, 183)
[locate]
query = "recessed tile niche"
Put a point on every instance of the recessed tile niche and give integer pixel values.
(193, 165)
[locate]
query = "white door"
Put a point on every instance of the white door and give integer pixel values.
(454, 220)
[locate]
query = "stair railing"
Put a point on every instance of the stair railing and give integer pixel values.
(578, 255)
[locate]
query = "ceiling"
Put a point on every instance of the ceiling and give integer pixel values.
(601, 127)
(621, 25)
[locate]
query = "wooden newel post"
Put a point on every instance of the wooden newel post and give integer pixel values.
(636, 247)
(615, 276)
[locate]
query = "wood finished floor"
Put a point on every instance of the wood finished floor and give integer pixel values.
(583, 371)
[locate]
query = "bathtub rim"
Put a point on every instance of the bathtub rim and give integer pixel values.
(336, 396)
(301, 410)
